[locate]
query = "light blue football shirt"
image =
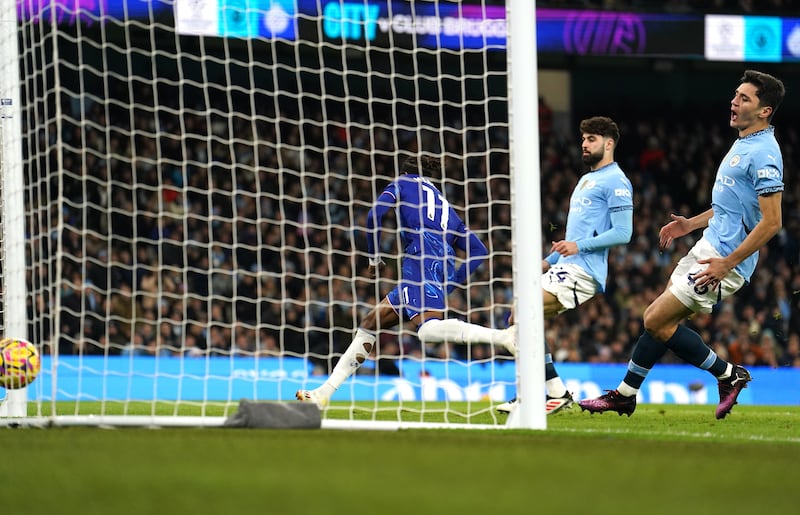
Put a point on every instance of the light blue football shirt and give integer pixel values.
(597, 195)
(752, 167)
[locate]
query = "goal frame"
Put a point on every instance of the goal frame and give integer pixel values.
(12, 239)
(527, 300)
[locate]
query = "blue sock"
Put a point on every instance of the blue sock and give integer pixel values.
(689, 346)
(646, 353)
(549, 367)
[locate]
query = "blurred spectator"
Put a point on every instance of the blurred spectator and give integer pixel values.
(175, 250)
(545, 119)
(790, 357)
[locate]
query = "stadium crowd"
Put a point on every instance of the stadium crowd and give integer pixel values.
(228, 222)
(163, 256)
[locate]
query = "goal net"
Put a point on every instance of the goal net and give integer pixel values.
(196, 182)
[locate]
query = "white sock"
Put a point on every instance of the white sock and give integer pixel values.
(627, 390)
(362, 344)
(555, 387)
(457, 331)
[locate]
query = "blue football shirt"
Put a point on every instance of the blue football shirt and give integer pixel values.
(753, 166)
(427, 222)
(430, 231)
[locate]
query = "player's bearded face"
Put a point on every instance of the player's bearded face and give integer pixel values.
(592, 156)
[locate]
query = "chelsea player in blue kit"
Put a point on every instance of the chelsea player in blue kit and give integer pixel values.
(431, 233)
(745, 214)
(600, 217)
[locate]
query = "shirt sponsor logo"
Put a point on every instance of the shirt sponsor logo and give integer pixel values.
(768, 173)
(622, 192)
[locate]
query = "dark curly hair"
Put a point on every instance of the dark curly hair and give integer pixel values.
(601, 125)
(770, 91)
(426, 166)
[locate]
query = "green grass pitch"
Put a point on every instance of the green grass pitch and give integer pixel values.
(665, 459)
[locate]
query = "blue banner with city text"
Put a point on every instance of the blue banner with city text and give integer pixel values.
(235, 378)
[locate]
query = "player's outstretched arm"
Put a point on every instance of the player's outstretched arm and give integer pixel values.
(476, 253)
(765, 230)
(619, 233)
(681, 226)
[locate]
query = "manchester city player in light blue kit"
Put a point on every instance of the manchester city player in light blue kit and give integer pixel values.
(600, 217)
(431, 234)
(745, 214)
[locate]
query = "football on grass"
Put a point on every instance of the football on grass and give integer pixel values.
(19, 363)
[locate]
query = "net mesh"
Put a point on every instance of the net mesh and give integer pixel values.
(196, 201)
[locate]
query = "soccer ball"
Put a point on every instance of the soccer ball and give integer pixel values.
(19, 363)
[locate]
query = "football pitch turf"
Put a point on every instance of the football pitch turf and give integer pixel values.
(665, 459)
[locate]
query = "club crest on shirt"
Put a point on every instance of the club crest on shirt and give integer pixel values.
(735, 160)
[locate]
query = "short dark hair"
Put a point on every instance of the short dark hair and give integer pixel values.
(426, 166)
(769, 90)
(601, 125)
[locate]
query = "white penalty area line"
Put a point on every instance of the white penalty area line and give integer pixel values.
(707, 435)
(390, 425)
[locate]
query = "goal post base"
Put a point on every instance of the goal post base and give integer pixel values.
(15, 403)
(519, 420)
(163, 421)
(513, 421)
(275, 415)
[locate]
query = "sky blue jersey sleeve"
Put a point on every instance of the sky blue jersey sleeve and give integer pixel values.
(620, 232)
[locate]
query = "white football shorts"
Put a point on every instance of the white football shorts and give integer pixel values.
(701, 300)
(571, 285)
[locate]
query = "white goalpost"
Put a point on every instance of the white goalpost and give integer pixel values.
(13, 320)
(526, 215)
(185, 188)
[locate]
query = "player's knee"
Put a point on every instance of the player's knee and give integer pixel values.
(656, 327)
(650, 325)
(552, 306)
(551, 310)
(649, 318)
